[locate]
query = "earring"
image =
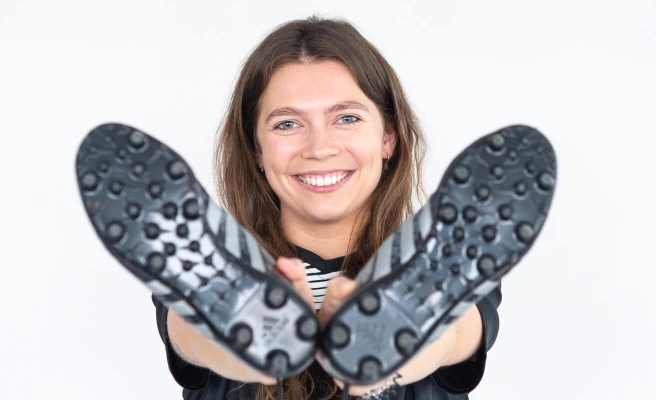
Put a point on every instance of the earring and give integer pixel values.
(386, 163)
(261, 169)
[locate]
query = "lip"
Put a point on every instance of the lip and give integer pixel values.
(326, 172)
(324, 189)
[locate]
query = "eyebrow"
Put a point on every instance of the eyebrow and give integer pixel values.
(344, 105)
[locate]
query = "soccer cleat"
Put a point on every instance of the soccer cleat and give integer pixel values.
(157, 220)
(485, 215)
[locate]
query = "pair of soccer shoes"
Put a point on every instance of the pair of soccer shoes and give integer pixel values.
(157, 220)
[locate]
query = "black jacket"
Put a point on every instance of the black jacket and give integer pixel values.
(453, 382)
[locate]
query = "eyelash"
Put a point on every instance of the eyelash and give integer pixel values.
(357, 119)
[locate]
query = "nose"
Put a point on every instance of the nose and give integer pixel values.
(319, 144)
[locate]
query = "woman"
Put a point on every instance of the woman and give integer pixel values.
(318, 158)
(265, 144)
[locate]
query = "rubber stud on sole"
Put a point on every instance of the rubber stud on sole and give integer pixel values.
(103, 166)
(497, 141)
(278, 363)
(546, 181)
(169, 249)
(133, 210)
(461, 174)
(472, 252)
(170, 210)
(525, 232)
(116, 187)
(505, 212)
(458, 234)
(242, 336)
(155, 189)
(406, 341)
(137, 139)
(175, 170)
(469, 214)
(115, 231)
(530, 168)
(370, 369)
(89, 181)
(307, 327)
(489, 233)
(194, 246)
(483, 193)
(497, 171)
(182, 231)
(138, 169)
(455, 269)
(275, 297)
(156, 262)
(520, 188)
(447, 213)
(151, 230)
(369, 303)
(486, 265)
(191, 209)
(339, 335)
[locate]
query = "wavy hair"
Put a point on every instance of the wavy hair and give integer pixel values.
(244, 192)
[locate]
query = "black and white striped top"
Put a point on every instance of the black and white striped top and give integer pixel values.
(319, 273)
(318, 282)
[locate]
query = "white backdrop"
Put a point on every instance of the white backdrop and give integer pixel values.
(577, 314)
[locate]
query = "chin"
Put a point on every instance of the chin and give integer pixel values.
(327, 216)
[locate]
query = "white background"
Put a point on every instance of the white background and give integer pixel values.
(577, 318)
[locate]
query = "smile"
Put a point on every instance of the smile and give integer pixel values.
(323, 184)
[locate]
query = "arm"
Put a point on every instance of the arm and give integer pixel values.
(195, 349)
(191, 356)
(458, 343)
(455, 361)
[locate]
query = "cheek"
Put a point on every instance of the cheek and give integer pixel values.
(279, 153)
(366, 153)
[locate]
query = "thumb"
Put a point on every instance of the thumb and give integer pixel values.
(339, 288)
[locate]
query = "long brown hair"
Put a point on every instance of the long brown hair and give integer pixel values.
(245, 193)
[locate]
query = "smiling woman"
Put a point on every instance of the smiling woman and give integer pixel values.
(312, 132)
(318, 157)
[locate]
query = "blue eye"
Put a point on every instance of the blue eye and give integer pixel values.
(352, 117)
(286, 124)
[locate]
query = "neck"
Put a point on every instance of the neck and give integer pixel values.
(328, 240)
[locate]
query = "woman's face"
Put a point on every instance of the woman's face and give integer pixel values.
(314, 127)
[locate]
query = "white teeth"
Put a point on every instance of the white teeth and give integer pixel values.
(323, 180)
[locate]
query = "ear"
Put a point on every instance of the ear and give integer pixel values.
(389, 142)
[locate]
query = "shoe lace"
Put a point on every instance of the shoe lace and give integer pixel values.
(279, 389)
(345, 395)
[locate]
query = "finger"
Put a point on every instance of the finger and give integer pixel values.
(338, 289)
(294, 270)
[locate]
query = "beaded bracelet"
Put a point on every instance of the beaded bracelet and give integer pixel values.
(388, 389)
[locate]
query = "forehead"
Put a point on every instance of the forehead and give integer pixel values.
(325, 81)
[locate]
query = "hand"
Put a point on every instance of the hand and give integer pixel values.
(338, 289)
(293, 270)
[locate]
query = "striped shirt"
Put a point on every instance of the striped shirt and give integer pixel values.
(319, 272)
(318, 282)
